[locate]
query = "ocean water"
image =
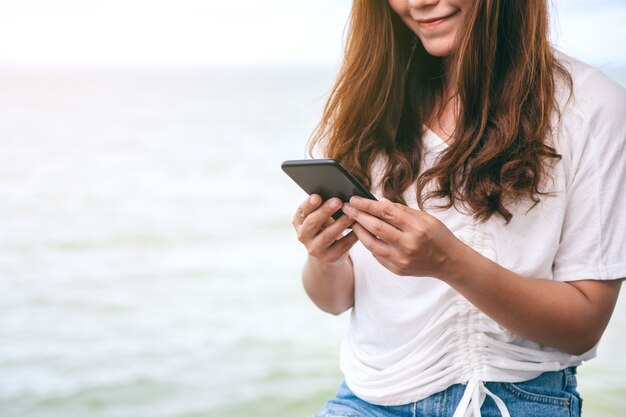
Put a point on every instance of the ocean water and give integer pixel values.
(147, 262)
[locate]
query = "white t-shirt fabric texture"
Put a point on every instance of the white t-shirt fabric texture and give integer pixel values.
(411, 337)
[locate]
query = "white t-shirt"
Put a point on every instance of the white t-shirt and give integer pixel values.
(410, 337)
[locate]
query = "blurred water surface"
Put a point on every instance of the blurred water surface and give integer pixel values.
(147, 261)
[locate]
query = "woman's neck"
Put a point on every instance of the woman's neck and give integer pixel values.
(443, 119)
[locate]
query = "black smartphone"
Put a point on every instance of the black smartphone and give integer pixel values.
(326, 177)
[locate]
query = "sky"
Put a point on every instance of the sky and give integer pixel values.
(239, 32)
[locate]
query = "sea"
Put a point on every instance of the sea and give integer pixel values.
(148, 267)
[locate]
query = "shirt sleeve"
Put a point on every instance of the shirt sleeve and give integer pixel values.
(592, 244)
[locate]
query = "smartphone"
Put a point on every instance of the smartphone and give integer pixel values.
(326, 177)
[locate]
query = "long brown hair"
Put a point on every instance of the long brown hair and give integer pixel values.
(504, 71)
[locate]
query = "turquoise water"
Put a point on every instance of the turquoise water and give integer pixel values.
(147, 263)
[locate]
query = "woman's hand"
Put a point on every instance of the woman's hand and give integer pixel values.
(404, 240)
(327, 276)
(320, 233)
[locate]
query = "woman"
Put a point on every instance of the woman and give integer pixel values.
(492, 262)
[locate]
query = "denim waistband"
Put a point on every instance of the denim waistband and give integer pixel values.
(465, 400)
(561, 378)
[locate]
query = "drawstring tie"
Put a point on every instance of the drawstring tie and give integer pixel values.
(473, 398)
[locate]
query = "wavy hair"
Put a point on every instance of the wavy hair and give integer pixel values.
(504, 72)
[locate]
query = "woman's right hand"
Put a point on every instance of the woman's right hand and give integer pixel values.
(327, 276)
(323, 236)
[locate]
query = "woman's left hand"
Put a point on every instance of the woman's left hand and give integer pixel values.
(405, 241)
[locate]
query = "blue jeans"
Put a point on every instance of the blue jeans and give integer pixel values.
(551, 394)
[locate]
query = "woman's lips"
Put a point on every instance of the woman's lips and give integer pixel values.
(433, 22)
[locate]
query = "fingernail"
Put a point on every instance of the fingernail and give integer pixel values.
(334, 204)
(355, 200)
(348, 209)
(313, 199)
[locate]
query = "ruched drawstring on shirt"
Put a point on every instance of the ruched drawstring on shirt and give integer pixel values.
(473, 398)
(460, 345)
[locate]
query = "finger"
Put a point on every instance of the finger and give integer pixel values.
(341, 247)
(313, 223)
(378, 247)
(376, 226)
(391, 213)
(328, 222)
(388, 265)
(325, 239)
(305, 208)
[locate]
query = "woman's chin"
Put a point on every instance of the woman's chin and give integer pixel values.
(438, 48)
